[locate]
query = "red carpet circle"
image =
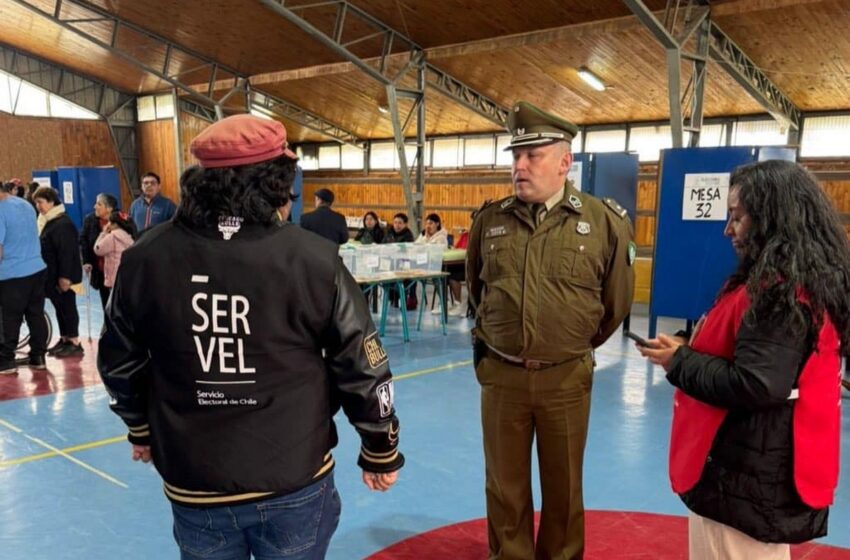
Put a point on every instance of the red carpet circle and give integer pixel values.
(611, 535)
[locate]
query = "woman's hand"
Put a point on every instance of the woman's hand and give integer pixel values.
(87, 268)
(661, 350)
(64, 284)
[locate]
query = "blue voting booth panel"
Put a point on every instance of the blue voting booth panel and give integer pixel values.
(580, 172)
(297, 205)
(615, 175)
(45, 177)
(79, 186)
(693, 257)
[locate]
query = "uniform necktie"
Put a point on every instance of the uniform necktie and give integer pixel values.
(537, 212)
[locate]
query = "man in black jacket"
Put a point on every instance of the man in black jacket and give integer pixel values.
(324, 221)
(229, 369)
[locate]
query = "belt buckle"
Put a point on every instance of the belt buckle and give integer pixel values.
(533, 364)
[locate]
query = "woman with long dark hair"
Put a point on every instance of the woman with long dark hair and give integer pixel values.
(754, 445)
(371, 232)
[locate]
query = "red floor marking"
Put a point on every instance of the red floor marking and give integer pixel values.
(61, 375)
(611, 535)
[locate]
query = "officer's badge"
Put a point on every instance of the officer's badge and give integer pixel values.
(632, 253)
(583, 228)
(508, 201)
(575, 201)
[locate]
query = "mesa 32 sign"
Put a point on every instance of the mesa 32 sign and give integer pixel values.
(705, 196)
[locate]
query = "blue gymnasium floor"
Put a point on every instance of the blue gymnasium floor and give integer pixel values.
(91, 501)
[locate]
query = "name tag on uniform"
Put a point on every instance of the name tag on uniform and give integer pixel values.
(496, 231)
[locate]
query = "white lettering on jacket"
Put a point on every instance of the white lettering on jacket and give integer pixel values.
(221, 314)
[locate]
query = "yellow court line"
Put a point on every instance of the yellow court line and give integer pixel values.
(103, 442)
(63, 454)
(47, 455)
(431, 370)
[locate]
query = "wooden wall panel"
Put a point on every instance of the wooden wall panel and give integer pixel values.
(41, 143)
(157, 154)
(453, 199)
(190, 127)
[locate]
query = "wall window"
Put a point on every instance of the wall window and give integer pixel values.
(759, 133)
(23, 98)
(503, 157)
(308, 157)
(352, 157)
(447, 152)
(648, 141)
(329, 157)
(479, 151)
(605, 141)
(826, 137)
(712, 135)
(382, 155)
(576, 143)
(155, 107)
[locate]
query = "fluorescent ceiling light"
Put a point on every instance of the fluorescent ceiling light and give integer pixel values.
(591, 78)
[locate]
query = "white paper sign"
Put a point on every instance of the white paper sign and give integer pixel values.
(372, 261)
(422, 258)
(574, 174)
(705, 196)
(42, 181)
(68, 189)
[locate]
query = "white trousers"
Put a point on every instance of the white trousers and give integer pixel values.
(710, 540)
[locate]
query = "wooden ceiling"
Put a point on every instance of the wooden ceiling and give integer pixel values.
(506, 49)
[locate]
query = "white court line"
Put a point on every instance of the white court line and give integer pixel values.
(65, 455)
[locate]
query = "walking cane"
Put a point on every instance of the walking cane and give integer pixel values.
(88, 304)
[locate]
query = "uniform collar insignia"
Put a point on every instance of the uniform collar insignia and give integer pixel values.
(507, 202)
(575, 201)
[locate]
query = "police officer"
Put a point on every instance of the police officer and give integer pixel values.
(550, 276)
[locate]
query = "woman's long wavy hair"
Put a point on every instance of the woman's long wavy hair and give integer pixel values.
(795, 242)
(251, 192)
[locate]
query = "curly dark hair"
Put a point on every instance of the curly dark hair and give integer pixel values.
(251, 192)
(795, 242)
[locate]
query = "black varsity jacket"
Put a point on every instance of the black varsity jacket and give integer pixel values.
(230, 358)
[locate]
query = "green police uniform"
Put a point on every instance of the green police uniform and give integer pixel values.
(546, 293)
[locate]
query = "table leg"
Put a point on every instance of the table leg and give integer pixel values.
(403, 308)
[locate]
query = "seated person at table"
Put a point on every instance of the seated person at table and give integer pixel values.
(371, 232)
(399, 232)
(434, 234)
(457, 276)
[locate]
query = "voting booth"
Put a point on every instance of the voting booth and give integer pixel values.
(692, 256)
(78, 188)
(608, 175)
(298, 204)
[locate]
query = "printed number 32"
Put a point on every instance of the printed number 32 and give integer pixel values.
(703, 210)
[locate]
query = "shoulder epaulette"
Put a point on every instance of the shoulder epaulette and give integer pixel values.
(615, 207)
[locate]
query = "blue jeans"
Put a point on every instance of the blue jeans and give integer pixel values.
(297, 526)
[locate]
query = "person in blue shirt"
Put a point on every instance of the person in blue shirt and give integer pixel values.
(151, 208)
(22, 273)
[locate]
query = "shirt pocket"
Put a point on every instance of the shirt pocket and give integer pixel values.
(499, 258)
(584, 262)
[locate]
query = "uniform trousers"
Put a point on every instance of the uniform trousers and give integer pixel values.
(517, 405)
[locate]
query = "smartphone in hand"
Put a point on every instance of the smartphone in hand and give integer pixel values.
(640, 341)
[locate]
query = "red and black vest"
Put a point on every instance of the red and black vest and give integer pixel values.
(817, 410)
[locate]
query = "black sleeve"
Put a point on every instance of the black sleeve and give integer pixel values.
(359, 235)
(124, 364)
(87, 241)
(67, 252)
(767, 360)
(343, 230)
(360, 371)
